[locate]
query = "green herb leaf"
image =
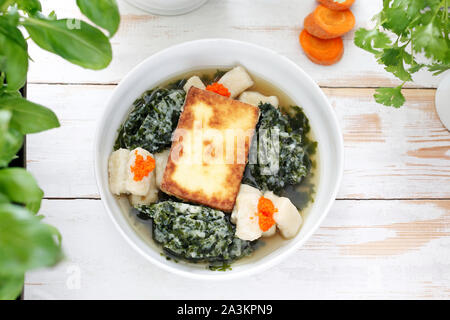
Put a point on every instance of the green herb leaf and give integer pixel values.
(396, 20)
(10, 285)
(52, 16)
(416, 67)
(103, 13)
(421, 26)
(74, 40)
(412, 8)
(429, 39)
(10, 139)
(371, 40)
(28, 117)
(13, 55)
(25, 242)
(391, 97)
(391, 56)
(438, 68)
(3, 198)
(30, 6)
(20, 187)
(399, 71)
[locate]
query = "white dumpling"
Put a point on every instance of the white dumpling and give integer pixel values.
(247, 221)
(244, 188)
(244, 214)
(117, 168)
(287, 217)
(149, 198)
(194, 81)
(237, 80)
(255, 98)
(161, 162)
(270, 232)
(141, 187)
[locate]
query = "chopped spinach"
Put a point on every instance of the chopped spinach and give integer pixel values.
(195, 233)
(222, 267)
(281, 154)
(153, 119)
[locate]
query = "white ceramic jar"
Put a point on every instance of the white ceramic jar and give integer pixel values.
(167, 7)
(442, 100)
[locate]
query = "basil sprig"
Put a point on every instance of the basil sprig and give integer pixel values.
(25, 241)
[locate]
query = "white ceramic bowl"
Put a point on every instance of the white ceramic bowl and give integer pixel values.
(168, 7)
(216, 53)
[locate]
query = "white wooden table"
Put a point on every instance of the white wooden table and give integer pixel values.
(387, 235)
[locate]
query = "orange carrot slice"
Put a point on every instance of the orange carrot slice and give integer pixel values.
(321, 51)
(325, 23)
(338, 5)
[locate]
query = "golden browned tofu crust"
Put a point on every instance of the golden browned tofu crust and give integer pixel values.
(210, 150)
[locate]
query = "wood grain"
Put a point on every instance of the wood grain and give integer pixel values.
(388, 235)
(364, 249)
(272, 24)
(390, 153)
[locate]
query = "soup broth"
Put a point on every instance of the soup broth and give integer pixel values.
(302, 195)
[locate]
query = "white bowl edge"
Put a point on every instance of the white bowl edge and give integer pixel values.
(225, 45)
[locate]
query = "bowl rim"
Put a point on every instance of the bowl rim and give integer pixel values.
(282, 255)
(179, 10)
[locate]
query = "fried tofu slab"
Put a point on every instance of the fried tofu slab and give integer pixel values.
(210, 150)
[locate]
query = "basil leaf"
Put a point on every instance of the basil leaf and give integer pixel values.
(10, 139)
(3, 198)
(103, 13)
(20, 187)
(10, 285)
(31, 6)
(73, 40)
(25, 242)
(11, 94)
(28, 117)
(13, 55)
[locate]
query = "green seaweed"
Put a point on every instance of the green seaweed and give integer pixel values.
(195, 233)
(153, 119)
(282, 150)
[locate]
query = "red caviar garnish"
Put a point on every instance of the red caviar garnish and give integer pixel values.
(266, 209)
(219, 89)
(142, 167)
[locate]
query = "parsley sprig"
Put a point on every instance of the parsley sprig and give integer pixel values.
(406, 30)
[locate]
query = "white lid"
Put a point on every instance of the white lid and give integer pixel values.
(167, 7)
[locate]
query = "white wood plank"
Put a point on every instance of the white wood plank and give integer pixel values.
(364, 249)
(390, 153)
(272, 24)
